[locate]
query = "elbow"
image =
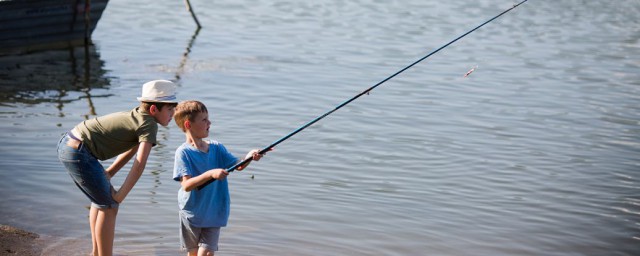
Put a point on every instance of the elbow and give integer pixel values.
(187, 188)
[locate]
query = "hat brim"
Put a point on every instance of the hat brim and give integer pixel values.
(141, 99)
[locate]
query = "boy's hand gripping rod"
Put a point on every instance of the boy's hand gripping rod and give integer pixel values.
(268, 148)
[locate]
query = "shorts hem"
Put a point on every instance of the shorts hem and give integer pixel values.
(208, 247)
(102, 206)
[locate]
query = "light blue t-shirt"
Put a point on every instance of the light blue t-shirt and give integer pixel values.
(208, 207)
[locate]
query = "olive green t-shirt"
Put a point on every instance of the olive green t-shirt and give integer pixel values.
(110, 135)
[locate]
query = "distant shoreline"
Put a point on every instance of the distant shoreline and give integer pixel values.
(15, 241)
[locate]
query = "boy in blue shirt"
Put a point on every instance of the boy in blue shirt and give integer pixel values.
(202, 212)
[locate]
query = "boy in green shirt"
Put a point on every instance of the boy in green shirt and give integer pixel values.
(122, 134)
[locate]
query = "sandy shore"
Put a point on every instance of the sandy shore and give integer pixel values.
(15, 241)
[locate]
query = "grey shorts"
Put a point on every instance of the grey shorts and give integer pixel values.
(193, 237)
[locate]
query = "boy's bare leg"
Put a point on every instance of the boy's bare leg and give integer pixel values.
(105, 230)
(193, 252)
(204, 252)
(93, 215)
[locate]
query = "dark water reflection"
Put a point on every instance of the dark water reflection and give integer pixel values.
(49, 76)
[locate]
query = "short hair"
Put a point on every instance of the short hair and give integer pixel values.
(188, 110)
(159, 105)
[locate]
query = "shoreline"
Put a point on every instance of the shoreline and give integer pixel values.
(15, 241)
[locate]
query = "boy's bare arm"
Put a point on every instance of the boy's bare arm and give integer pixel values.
(121, 161)
(189, 183)
(139, 163)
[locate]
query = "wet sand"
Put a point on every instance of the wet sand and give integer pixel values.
(14, 241)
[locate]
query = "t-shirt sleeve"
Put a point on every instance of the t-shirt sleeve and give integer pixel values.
(180, 165)
(148, 132)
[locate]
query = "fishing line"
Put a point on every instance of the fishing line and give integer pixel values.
(268, 148)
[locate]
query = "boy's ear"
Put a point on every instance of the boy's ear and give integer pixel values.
(187, 124)
(153, 109)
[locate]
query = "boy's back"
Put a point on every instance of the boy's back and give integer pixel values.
(120, 136)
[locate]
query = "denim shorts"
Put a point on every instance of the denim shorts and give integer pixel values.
(87, 172)
(193, 237)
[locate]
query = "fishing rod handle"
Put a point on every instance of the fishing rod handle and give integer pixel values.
(235, 166)
(229, 170)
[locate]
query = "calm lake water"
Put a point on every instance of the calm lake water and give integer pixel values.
(537, 152)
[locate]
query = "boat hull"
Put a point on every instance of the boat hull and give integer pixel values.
(31, 25)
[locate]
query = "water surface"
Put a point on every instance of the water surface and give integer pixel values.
(534, 153)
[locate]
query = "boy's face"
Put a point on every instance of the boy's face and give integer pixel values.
(200, 126)
(163, 116)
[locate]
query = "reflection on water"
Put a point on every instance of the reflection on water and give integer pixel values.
(185, 56)
(49, 76)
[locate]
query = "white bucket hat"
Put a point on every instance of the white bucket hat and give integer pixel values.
(159, 91)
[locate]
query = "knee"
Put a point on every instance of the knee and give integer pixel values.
(206, 252)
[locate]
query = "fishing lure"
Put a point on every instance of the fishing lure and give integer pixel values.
(470, 71)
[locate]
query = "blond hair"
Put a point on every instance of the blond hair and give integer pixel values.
(188, 110)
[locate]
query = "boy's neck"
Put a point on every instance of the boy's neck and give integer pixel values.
(195, 141)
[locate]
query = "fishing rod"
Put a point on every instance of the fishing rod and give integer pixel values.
(268, 148)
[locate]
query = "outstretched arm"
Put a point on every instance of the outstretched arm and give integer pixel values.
(251, 156)
(254, 155)
(121, 161)
(188, 183)
(139, 163)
